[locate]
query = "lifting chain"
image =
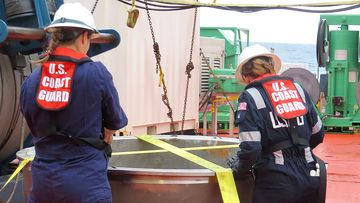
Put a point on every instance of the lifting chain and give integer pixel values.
(94, 7)
(216, 79)
(156, 49)
(189, 68)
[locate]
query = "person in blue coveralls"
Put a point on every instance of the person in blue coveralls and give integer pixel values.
(278, 129)
(72, 109)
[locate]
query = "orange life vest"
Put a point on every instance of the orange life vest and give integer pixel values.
(54, 90)
(285, 98)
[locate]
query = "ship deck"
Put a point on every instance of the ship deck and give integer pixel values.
(340, 151)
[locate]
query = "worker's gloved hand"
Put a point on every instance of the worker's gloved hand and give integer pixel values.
(233, 162)
(240, 174)
(108, 135)
(108, 150)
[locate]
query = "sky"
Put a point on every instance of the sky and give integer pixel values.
(281, 26)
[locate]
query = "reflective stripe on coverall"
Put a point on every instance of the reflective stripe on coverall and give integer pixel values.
(282, 176)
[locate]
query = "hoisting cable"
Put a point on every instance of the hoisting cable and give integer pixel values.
(161, 7)
(204, 99)
(94, 6)
(189, 68)
(251, 10)
(216, 79)
(159, 70)
(175, 5)
(197, 3)
(169, 6)
(206, 102)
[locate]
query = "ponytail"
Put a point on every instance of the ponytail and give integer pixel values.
(59, 36)
(258, 66)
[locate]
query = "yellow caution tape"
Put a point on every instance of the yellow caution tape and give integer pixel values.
(224, 175)
(186, 149)
(18, 169)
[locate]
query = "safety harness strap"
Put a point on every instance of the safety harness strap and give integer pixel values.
(295, 139)
(78, 61)
(285, 144)
(97, 143)
(94, 142)
(51, 129)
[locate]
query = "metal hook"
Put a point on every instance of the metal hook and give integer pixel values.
(133, 15)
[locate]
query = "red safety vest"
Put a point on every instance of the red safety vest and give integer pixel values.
(54, 90)
(285, 98)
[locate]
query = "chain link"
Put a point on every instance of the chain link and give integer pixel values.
(189, 68)
(156, 49)
(94, 7)
(216, 79)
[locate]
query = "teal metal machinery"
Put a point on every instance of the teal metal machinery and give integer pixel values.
(233, 47)
(337, 50)
(224, 77)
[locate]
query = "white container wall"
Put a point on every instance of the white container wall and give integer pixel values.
(132, 65)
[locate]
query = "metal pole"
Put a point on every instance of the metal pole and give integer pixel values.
(214, 119)
(231, 123)
(205, 122)
(21, 33)
(104, 38)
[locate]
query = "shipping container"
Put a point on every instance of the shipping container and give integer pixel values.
(133, 65)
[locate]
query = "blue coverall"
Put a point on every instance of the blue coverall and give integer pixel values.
(64, 171)
(282, 176)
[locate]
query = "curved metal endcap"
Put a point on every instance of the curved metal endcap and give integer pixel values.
(160, 183)
(107, 40)
(162, 163)
(307, 80)
(3, 31)
(322, 52)
(153, 160)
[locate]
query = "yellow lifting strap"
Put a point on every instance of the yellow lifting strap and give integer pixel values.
(18, 169)
(186, 149)
(161, 76)
(224, 176)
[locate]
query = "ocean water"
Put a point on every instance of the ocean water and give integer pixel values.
(295, 53)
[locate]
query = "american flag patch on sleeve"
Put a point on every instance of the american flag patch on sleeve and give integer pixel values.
(242, 106)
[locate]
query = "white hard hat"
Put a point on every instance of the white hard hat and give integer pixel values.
(252, 52)
(73, 15)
